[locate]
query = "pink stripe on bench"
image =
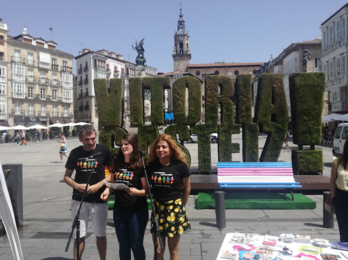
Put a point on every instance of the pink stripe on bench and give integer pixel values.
(255, 174)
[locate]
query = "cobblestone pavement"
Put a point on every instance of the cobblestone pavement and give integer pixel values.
(47, 210)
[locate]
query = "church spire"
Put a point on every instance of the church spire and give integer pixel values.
(181, 24)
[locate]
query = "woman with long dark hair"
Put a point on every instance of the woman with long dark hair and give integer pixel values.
(130, 208)
(169, 175)
(339, 192)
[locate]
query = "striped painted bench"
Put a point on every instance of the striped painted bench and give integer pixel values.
(257, 175)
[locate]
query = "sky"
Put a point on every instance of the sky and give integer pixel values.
(220, 30)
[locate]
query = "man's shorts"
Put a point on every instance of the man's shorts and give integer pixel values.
(98, 213)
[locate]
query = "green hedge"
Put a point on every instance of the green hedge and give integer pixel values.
(109, 104)
(204, 153)
(307, 161)
(306, 95)
(156, 86)
(225, 146)
(212, 100)
(250, 142)
(136, 101)
(194, 100)
(184, 135)
(244, 96)
(109, 135)
(271, 100)
(147, 134)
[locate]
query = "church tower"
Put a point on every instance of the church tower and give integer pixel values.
(181, 52)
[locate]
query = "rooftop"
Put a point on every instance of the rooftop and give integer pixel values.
(225, 64)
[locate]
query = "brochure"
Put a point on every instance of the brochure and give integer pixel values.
(116, 186)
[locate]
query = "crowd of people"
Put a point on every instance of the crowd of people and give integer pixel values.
(169, 178)
(327, 136)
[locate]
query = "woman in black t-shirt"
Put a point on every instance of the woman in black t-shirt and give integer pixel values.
(169, 173)
(130, 208)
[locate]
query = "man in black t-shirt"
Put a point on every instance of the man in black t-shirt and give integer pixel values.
(87, 160)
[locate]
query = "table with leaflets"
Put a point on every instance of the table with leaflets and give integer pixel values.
(241, 246)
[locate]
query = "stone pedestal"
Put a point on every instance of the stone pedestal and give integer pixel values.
(140, 71)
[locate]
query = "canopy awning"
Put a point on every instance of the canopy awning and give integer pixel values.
(55, 120)
(341, 118)
(32, 120)
(4, 123)
(19, 120)
(329, 118)
(67, 120)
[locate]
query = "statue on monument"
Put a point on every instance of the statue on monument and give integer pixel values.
(140, 60)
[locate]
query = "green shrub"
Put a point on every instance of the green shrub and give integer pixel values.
(306, 96)
(307, 161)
(225, 146)
(250, 142)
(194, 101)
(204, 154)
(271, 113)
(147, 134)
(156, 86)
(109, 104)
(213, 99)
(244, 96)
(136, 101)
(111, 135)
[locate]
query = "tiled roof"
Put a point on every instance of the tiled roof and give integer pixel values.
(225, 64)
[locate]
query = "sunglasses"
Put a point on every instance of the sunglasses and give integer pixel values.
(124, 144)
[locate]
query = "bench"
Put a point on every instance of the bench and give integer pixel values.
(257, 175)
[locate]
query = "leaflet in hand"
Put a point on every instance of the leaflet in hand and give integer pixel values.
(116, 186)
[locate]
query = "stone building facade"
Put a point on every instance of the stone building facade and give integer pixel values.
(3, 74)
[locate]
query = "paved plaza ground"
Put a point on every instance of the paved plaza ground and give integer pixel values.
(47, 210)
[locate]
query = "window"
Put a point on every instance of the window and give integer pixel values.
(331, 35)
(66, 110)
(3, 71)
(54, 76)
(343, 29)
(54, 61)
(1, 39)
(54, 94)
(1, 56)
(343, 72)
(43, 93)
(115, 68)
(338, 30)
(66, 93)
(331, 74)
(30, 92)
(101, 75)
(17, 56)
(65, 63)
(325, 70)
(107, 66)
(55, 110)
(31, 109)
(338, 65)
(18, 108)
(66, 77)
(17, 69)
(18, 90)
(2, 109)
(43, 74)
(30, 60)
(43, 109)
(30, 73)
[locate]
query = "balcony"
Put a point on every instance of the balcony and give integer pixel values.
(54, 98)
(85, 94)
(81, 108)
(18, 95)
(44, 113)
(85, 81)
(55, 82)
(80, 82)
(100, 68)
(44, 65)
(31, 62)
(66, 100)
(116, 73)
(18, 77)
(66, 69)
(55, 113)
(85, 68)
(31, 79)
(80, 95)
(122, 75)
(44, 81)
(17, 112)
(41, 97)
(55, 67)
(86, 107)
(17, 59)
(79, 71)
(2, 97)
(31, 113)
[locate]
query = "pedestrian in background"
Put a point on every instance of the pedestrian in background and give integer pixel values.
(169, 175)
(24, 141)
(130, 208)
(63, 146)
(4, 137)
(339, 192)
(17, 138)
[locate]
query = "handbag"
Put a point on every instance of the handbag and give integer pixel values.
(61, 145)
(328, 202)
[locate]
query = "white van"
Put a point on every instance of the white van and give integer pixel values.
(341, 136)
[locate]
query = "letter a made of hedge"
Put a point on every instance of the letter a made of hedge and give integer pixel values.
(109, 105)
(156, 86)
(194, 100)
(271, 113)
(250, 130)
(306, 96)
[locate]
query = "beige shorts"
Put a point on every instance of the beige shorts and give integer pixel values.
(98, 213)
